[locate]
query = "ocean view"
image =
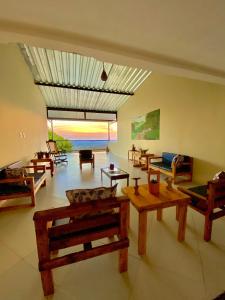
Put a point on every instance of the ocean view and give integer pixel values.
(89, 144)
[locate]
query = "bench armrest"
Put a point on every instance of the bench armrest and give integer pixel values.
(13, 180)
(155, 157)
(36, 168)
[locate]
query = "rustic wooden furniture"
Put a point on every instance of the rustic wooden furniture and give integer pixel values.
(23, 186)
(115, 174)
(206, 199)
(49, 161)
(80, 231)
(57, 155)
(86, 157)
(145, 202)
(166, 164)
(131, 154)
(141, 159)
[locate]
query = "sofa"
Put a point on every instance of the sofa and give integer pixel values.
(173, 165)
(19, 181)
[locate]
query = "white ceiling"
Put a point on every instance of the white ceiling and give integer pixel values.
(175, 36)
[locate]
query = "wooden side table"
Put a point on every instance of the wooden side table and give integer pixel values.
(50, 162)
(145, 202)
(131, 154)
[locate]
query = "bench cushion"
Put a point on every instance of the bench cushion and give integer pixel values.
(162, 165)
(8, 189)
(37, 176)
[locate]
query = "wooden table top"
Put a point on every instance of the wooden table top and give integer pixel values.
(148, 201)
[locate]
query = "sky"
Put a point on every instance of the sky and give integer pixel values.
(84, 130)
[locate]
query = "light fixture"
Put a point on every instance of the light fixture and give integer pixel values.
(104, 75)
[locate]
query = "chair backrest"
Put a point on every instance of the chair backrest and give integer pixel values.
(85, 154)
(52, 146)
(216, 193)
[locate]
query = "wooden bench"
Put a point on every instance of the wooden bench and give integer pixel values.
(84, 230)
(166, 165)
(21, 186)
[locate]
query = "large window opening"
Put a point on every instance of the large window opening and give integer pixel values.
(75, 135)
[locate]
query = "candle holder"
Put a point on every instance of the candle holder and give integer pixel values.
(111, 166)
(136, 192)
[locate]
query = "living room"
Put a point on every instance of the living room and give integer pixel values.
(190, 97)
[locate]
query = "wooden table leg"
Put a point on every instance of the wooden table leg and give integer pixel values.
(128, 181)
(159, 214)
(182, 221)
(177, 212)
(51, 167)
(142, 233)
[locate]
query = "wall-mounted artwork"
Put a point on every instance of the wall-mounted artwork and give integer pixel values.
(146, 127)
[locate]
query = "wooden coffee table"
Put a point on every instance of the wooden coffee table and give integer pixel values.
(115, 174)
(145, 202)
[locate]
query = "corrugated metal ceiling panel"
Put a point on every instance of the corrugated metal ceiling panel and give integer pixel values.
(57, 67)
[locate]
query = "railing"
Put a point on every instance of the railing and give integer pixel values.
(74, 145)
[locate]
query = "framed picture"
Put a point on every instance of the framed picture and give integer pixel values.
(146, 127)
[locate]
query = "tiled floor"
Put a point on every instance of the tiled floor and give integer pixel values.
(193, 269)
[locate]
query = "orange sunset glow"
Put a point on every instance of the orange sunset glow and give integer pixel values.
(84, 130)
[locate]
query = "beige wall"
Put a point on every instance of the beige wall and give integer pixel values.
(23, 125)
(192, 121)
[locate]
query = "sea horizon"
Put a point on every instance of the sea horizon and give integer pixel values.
(90, 144)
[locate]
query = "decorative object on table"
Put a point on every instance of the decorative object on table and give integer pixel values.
(143, 151)
(40, 154)
(111, 166)
(153, 181)
(46, 154)
(136, 192)
(133, 148)
(169, 181)
(146, 127)
(107, 149)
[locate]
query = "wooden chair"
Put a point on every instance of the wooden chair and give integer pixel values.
(86, 156)
(206, 199)
(57, 155)
(81, 231)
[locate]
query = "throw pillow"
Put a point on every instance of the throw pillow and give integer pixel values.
(178, 160)
(84, 195)
(220, 175)
(15, 172)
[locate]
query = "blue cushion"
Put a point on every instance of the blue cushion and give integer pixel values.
(167, 157)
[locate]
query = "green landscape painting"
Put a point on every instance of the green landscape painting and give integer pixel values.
(146, 127)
